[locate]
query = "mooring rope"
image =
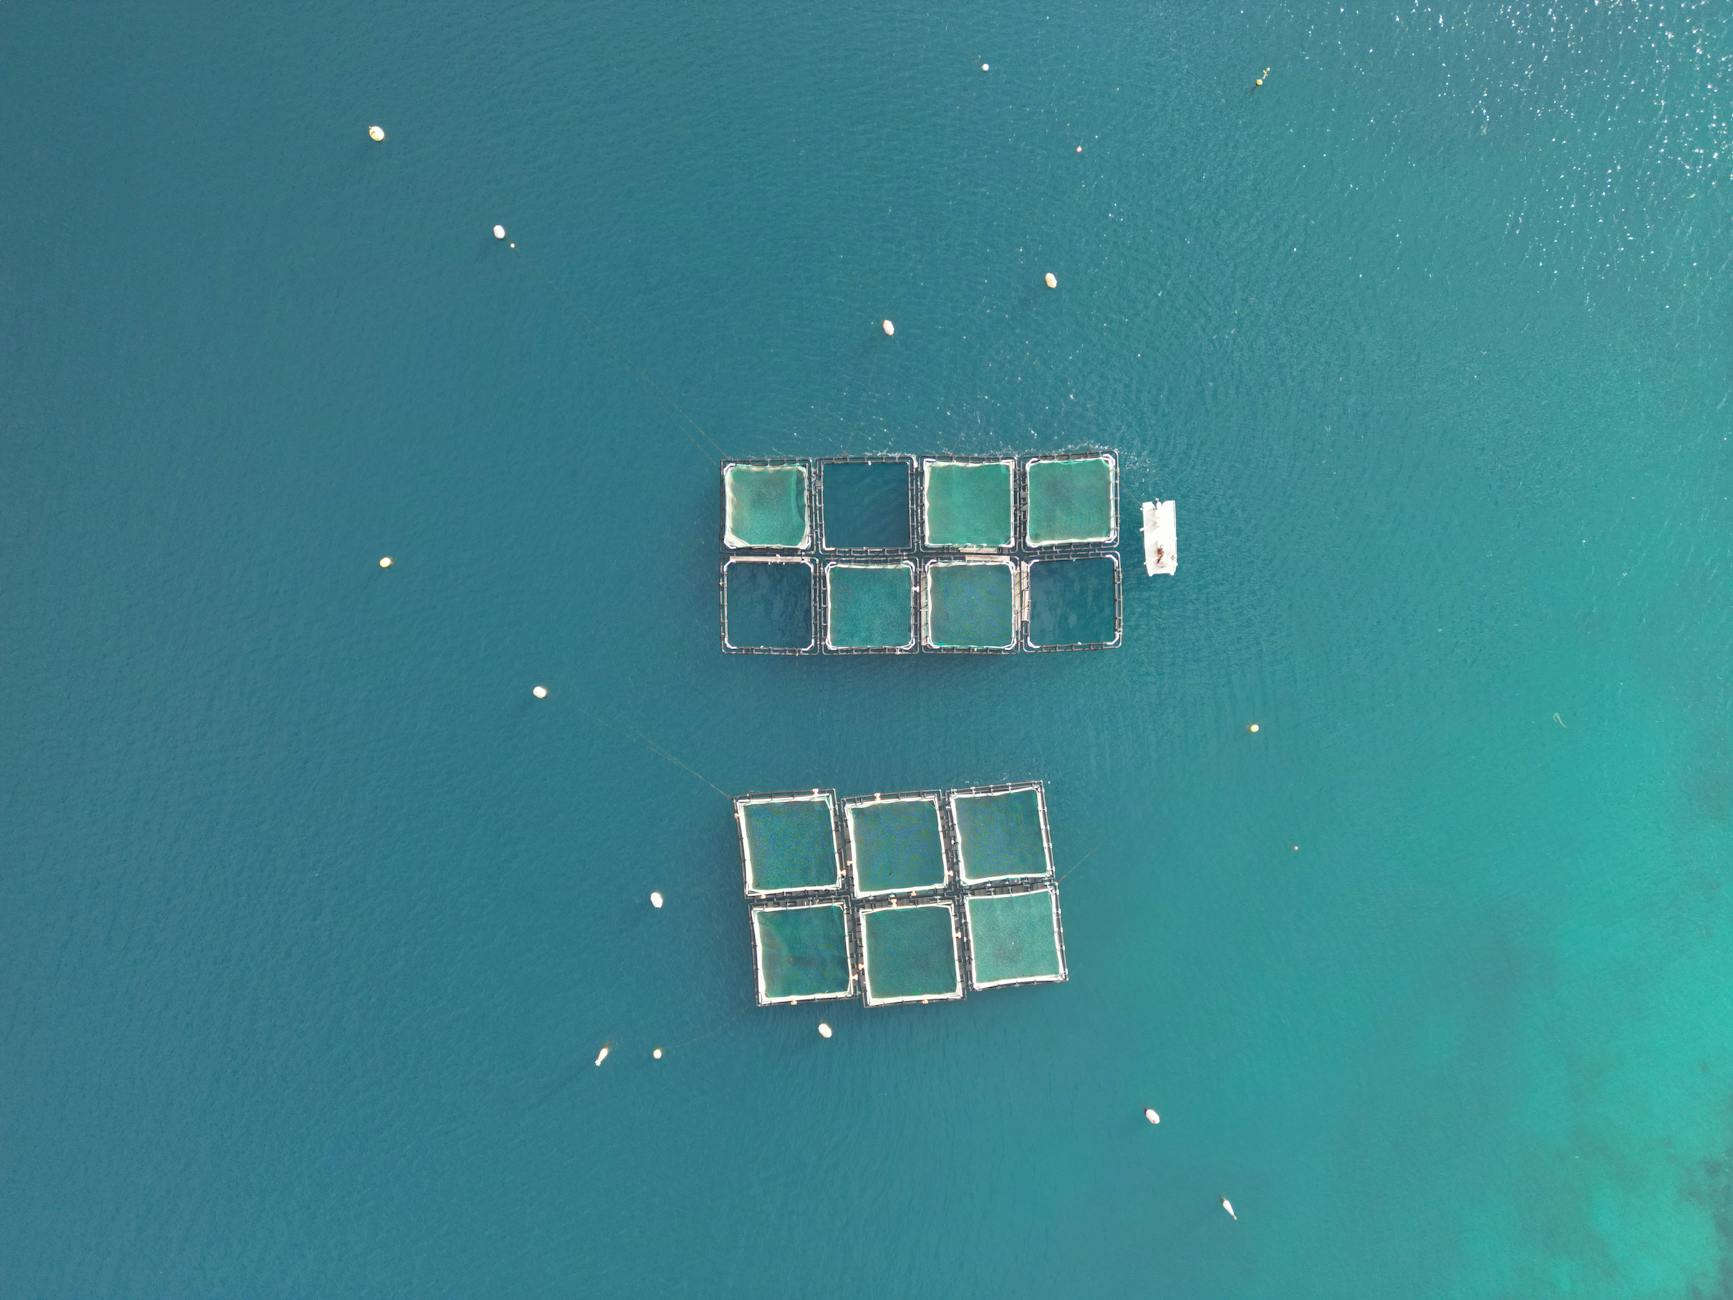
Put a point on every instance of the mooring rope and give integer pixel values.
(657, 750)
(601, 337)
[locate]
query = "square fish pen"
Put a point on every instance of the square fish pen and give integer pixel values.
(896, 844)
(970, 605)
(769, 605)
(1002, 833)
(911, 952)
(866, 504)
(1073, 602)
(870, 608)
(789, 843)
(767, 505)
(802, 952)
(1014, 938)
(1071, 500)
(969, 504)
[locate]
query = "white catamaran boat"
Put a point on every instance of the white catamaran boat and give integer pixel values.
(1160, 538)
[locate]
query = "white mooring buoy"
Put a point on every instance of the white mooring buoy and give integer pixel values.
(385, 561)
(890, 328)
(1150, 1115)
(540, 692)
(823, 1030)
(1052, 280)
(376, 134)
(499, 232)
(655, 1053)
(656, 899)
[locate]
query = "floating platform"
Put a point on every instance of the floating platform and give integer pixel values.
(1002, 833)
(916, 896)
(767, 505)
(1071, 500)
(970, 605)
(769, 605)
(911, 953)
(870, 608)
(1014, 938)
(866, 504)
(789, 843)
(1073, 603)
(1160, 537)
(897, 844)
(969, 504)
(802, 952)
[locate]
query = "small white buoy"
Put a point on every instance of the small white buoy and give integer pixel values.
(890, 328)
(1254, 728)
(823, 1030)
(985, 66)
(1294, 847)
(603, 1054)
(1079, 148)
(376, 134)
(540, 692)
(385, 561)
(1150, 1115)
(499, 232)
(1052, 280)
(1229, 1207)
(655, 898)
(655, 1053)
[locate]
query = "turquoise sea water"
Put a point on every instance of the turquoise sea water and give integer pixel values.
(312, 919)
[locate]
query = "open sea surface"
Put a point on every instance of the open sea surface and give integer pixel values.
(312, 919)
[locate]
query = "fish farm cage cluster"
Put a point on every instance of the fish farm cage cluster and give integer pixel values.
(914, 897)
(894, 555)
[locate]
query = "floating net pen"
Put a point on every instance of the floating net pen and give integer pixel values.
(770, 605)
(1073, 602)
(1071, 500)
(911, 953)
(803, 952)
(870, 607)
(896, 844)
(970, 606)
(1014, 937)
(1001, 833)
(969, 504)
(866, 504)
(767, 505)
(789, 843)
